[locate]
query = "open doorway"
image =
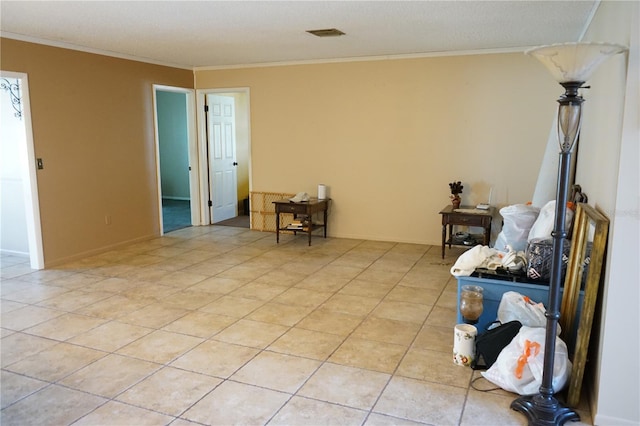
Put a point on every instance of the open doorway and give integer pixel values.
(176, 155)
(20, 228)
(223, 116)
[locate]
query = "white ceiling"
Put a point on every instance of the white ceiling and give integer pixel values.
(192, 34)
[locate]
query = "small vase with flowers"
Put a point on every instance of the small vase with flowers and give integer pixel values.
(456, 190)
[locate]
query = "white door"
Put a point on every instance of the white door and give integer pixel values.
(222, 157)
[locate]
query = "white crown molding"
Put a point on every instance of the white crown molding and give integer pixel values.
(71, 46)
(368, 58)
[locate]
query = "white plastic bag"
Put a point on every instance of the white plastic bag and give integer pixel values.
(514, 306)
(520, 364)
(543, 226)
(517, 307)
(518, 220)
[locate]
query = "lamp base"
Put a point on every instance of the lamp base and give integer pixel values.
(543, 411)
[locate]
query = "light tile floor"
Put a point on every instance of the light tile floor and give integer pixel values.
(220, 326)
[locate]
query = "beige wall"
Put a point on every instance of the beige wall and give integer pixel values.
(92, 121)
(388, 136)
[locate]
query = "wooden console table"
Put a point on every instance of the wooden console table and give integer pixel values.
(467, 216)
(303, 208)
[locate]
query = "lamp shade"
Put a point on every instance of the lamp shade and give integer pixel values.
(574, 61)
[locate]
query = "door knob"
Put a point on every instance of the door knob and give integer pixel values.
(235, 164)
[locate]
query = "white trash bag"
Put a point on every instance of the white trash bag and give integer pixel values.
(543, 226)
(517, 222)
(517, 307)
(519, 366)
(514, 306)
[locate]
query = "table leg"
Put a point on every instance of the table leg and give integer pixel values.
(444, 238)
(277, 226)
(487, 235)
(450, 235)
(325, 223)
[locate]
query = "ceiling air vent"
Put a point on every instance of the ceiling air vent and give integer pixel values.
(329, 32)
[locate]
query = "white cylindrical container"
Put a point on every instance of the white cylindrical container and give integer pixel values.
(322, 192)
(464, 344)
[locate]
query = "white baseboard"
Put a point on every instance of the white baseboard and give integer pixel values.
(15, 253)
(600, 420)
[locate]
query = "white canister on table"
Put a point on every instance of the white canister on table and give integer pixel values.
(322, 192)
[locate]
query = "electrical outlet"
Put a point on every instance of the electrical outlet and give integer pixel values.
(40, 163)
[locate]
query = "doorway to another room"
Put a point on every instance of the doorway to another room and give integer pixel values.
(20, 227)
(225, 150)
(177, 158)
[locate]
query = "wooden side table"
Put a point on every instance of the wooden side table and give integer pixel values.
(467, 216)
(306, 208)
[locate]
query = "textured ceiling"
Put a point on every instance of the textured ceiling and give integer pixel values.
(193, 34)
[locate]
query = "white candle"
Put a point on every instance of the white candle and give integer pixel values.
(322, 192)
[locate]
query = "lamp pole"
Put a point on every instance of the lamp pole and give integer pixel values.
(544, 408)
(571, 64)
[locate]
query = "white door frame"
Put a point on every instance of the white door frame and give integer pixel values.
(202, 143)
(192, 141)
(32, 202)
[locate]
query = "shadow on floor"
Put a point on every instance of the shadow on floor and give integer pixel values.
(238, 222)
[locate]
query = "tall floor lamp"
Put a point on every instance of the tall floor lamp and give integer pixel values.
(571, 65)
